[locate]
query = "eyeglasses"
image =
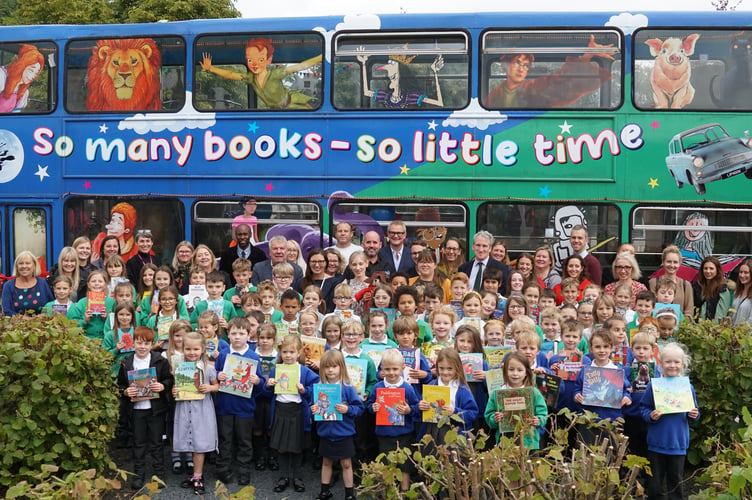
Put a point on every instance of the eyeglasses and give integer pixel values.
(451, 249)
(282, 277)
(396, 233)
(168, 299)
(516, 306)
(622, 268)
(143, 232)
(350, 335)
(317, 262)
(339, 297)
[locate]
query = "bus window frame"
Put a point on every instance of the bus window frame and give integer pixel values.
(54, 85)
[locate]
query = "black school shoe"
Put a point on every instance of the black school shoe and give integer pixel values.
(282, 484)
(271, 462)
(298, 484)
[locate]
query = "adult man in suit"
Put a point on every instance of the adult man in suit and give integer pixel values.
(244, 249)
(277, 254)
(395, 255)
(474, 269)
(578, 238)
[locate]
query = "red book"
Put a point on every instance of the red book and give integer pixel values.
(387, 398)
(95, 303)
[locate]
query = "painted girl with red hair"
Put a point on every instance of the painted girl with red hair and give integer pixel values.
(16, 77)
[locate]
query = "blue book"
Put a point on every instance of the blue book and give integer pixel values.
(326, 397)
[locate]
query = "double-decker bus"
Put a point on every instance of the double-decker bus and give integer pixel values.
(523, 124)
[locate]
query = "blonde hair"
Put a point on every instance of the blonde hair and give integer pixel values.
(678, 350)
(443, 311)
(354, 326)
(392, 357)
(198, 338)
(333, 357)
(178, 325)
(30, 257)
(294, 342)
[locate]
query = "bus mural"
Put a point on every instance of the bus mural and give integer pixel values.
(520, 124)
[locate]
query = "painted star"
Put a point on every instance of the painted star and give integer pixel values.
(653, 183)
(655, 124)
(41, 172)
(252, 127)
(544, 191)
(432, 125)
(103, 129)
(87, 185)
(404, 169)
(269, 187)
(565, 128)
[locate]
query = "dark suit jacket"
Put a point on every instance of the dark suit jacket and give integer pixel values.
(230, 255)
(406, 262)
(263, 271)
(467, 268)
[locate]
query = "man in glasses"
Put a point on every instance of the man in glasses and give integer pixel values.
(145, 255)
(396, 255)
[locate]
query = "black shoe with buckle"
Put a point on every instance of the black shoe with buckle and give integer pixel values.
(282, 484)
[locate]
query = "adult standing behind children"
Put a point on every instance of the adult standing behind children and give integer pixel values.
(145, 255)
(578, 238)
(672, 259)
(277, 254)
(344, 233)
(712, 296)
(244, 249)
(396, 255)
(26, 293)
(474, 269)
(627, 272)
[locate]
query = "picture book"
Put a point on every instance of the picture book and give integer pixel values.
(472, 363)
(474, 322)
(238, 370)
(411, 356)
(548, 385)
(211, 346)
(126, 337)
(155, 298)
(175, 359)
(494, 379)
(344, 314)
(391, 314)
(163, 327)
(431, 351)
(549, 348)
(357, 369)
(115, 281)
(141, 379)
(510, 342)
(282, 331)
(313, 346)
(602, 387)
(60, 309)
(495, 355)
(514, 404)
(326, 397)
(619, 355)
(196, 293)
(673, 394)
(267, 364)
(95, 303)
(438, 397)
(642, 373)
(570, 364)
(387, 398)
(498, 313)
(188, 377)
(375, 352)
(216, 306)
(457, 307)
(287, 377)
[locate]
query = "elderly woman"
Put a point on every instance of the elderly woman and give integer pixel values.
(684, 296)
(452, 257)
(627, 272)
(181, 263)
(425, 266)
(543, 268)
(26, 293)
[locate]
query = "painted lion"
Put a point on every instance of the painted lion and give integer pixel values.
(123, 75)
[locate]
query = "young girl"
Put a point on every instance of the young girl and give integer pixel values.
(165, 314)
(195, 428)
(337, 438)
(382, 297)
(208, 327)
(331, 329)
(623, 302)
(531, 291)
(93, 324)
(116, 339)
(517, 374)
(174, 354)
(62, 287)
(376, 327)
(115, 267)
(515, 283)
(441, 321)
(586, 316)
(494, 333)
(516, 307)
(291, 414)
(668, 435)
(591, 292)
(467, 340)
(145, 285)
(471, 309)
(308, 323)
(489, 302)
(603, 308)
(461, 401)
(313, 298)
(267, 337)
(358, 264)
(250, 301)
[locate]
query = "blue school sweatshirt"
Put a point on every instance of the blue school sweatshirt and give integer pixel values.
(339, 430)
(414, 416)
(479, 389)
(669, 435)
(307, 377)
(602, 412)
(634, 410)
(230, 404)
(464, 406)
(567, 387)
(418, 387)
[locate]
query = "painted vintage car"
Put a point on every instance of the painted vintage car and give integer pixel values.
(708, 153)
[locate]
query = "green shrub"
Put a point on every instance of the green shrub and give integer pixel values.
(58, 401)
(722, 377)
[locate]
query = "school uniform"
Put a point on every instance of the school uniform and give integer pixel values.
(291, 415)
(531, 439)
(228, 311)
(144, 314)
(391, 437)
(94, 329)
(602, 412)
(337, 438)
(634, 427)
(464, 406)
(364, 423)
(195, 428)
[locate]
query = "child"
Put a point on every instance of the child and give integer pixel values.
(208, 327)
(241, 272)
(494, 333)
(570, 291)
(247, 218)
(115, 268)
(358, 264)
(516, 307)
(460, 285)
(308, 323)
(623, 302)
(343, 301)
(603, 308)
(515, 283)
(550, 323)
(148, 415)
(331, 329)
(291, 415)
(174, 355)
(668, 435)
(250, 301)
(617, 327)
(337, 438)
(377, 323)
(62, 287)
(123, 326)
(195, 428)
(406, 330)
(313, 299)
(644, 306)
(235, 413)
(406, 299)
(195, 284)
(665, 297)
(492, 277)
(517, 374)
(471, 311)
(282, 277)
(528, 343)
(531, 291)
(383, 297)
(93, 324)
(467, 340)
(591, 292)
(461, 401)
(567, 367)
(666, 327)
(398, 280)
(165, 314)
(290, 306)
(267, 338)
(145, 285)
(352, 336)
(586, 316)
(489, 304)
(547, 299)
(640, 371)
(255, 318)
(391, 437)
(442, 322)
(568, 311)
(215, 287)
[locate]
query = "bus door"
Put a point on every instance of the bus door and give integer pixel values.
(25, 227)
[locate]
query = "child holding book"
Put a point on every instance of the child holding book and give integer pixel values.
(405, 332)
(174, 355)
(215, 287)
(518, 375)
(267, 339)
(400, 432)
(165, 315)
(467, 341)
(442, 325)
(195, 428)
(119, 339)
(145, 285)
(567, 364)
(91, 311)
(114, 265)
(639, 373)
(668, 434)
(291, 413)
(148, 413)
(241, 272)
(337, 438)
(208, 327)
(62, 287)
(471, 311)
(268, 294)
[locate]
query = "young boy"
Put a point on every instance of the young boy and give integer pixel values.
(250, 301)
(433, 298)
(570, 291)
(568, 363)
(148, 416)
(547, 298)
(550, 323)
(196, 289)
(61, 287)
(406, 331)
(664, 297)
(591, 292)
(406, 298)
(241, 271)
(215, 287)
(343, 303)
(234, 412)
(644, 306)
(528, 343)
(460, 285)
(290, 304)
(667, 322)
(639, 372)
(282, 277)
(268, 295)
(398, 280)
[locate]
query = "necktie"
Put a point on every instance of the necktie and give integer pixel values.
(478, 277)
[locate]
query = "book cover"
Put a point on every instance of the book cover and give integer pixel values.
(287, 377)
(498, 313)
(196, 294)
(175, 359)
(391, 314)
(513, 403)
(141, 379)
(387, 398)
(494, 379)
(267, 364)
(457, 307)
(495, 355)
(548, 385)
(313, 346)
(412, 362)
(211, 346)
(344, 314)
(431, 350)
(188, 377)
(602, 387)
(642, 373)
(60, 309)
(126, 337)
(550, 348)
(472, 363)
(474, 322)
(238, 370)
(326, 396)
(357, 370)
(216, 306)
(95, 303)
(510, 342)
(375, 352)
(570, 364)
(619, 355)
(438, 397)
(163, 327)
(114, 282)
(282, 331)
(673, 394)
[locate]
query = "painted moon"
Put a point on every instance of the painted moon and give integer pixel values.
(11, 156)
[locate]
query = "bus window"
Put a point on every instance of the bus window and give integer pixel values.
(125, 75)
(259, 72)
(430, 221)
(526, 226)
(30, 233)
(697, 231)
(693, 69)
(298, 220)
(122, 217)
(27, 73)
(551, 69)
(401, 71)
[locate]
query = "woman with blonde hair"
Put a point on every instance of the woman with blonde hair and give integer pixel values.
(25, 293)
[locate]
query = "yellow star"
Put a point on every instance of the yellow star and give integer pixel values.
(404, 169)
(653, 183)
